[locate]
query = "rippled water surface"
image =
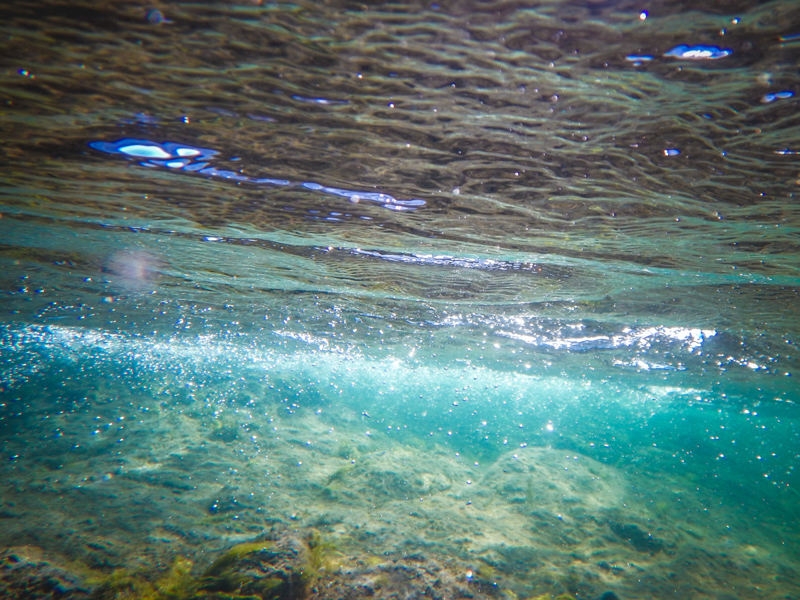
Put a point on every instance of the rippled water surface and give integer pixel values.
(455, 299)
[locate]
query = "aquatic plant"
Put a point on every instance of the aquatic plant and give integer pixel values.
(176, 583)
(235, 554)
(323, 557)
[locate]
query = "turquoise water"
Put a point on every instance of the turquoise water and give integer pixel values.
(425, 299)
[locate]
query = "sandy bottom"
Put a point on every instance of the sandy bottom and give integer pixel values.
(314, 506)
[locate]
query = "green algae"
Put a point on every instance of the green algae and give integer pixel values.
(255, 569)
(234, 555)
(248, 571)
(220, 581)
(323, 556)
(177, 583)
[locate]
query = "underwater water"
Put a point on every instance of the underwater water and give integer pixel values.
(399, 300)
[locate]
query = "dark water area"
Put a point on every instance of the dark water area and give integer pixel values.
(399, 300)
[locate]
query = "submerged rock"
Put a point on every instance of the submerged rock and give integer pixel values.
(641, 540)
(26, 573)
(289, 567)
(259, 570)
